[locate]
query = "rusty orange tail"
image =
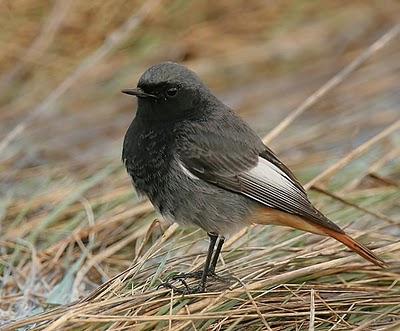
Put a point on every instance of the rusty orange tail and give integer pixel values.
(356, 247)
(265, 215)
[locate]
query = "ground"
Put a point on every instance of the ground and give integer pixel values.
(79, 249)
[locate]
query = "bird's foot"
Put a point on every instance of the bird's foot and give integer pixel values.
(223, 279)
(182, 278)
(187, 275)
(187, 289)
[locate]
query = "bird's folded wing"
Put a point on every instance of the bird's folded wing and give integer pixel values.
(258, 175)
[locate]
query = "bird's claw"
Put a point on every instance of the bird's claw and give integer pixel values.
(186, 289)
(201, 288)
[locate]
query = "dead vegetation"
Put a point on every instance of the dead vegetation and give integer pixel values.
(79, 251)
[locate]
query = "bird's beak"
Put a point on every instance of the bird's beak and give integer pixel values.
(138, 92)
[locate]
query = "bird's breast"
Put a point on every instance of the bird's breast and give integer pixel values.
(147, 155)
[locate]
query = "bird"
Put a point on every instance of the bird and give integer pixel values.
(201, 165)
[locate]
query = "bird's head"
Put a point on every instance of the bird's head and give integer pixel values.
(169, 91)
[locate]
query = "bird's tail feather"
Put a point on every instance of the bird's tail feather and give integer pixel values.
(355, 246)
(271, 216)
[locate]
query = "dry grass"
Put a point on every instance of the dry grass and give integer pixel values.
(79, 251)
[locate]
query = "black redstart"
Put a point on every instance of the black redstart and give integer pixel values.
(200, 164)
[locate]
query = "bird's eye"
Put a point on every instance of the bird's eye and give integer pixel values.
(171, 92)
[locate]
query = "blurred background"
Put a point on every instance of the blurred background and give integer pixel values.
(262, 58)
(63, 118)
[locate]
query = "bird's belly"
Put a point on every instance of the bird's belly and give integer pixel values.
(189, 201)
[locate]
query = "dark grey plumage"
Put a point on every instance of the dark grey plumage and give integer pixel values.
(200, 164)
(198, 133)
(153, 152)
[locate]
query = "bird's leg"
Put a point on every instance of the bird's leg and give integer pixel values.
(211, 271)
(211, 263)
(206, 270)
(216, 255)
(202, 275)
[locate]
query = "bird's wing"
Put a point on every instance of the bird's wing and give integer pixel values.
(252, 171)
(235, 159)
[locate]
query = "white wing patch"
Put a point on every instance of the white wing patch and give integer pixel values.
(264, 172)
(269, 173)
(186, 171)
